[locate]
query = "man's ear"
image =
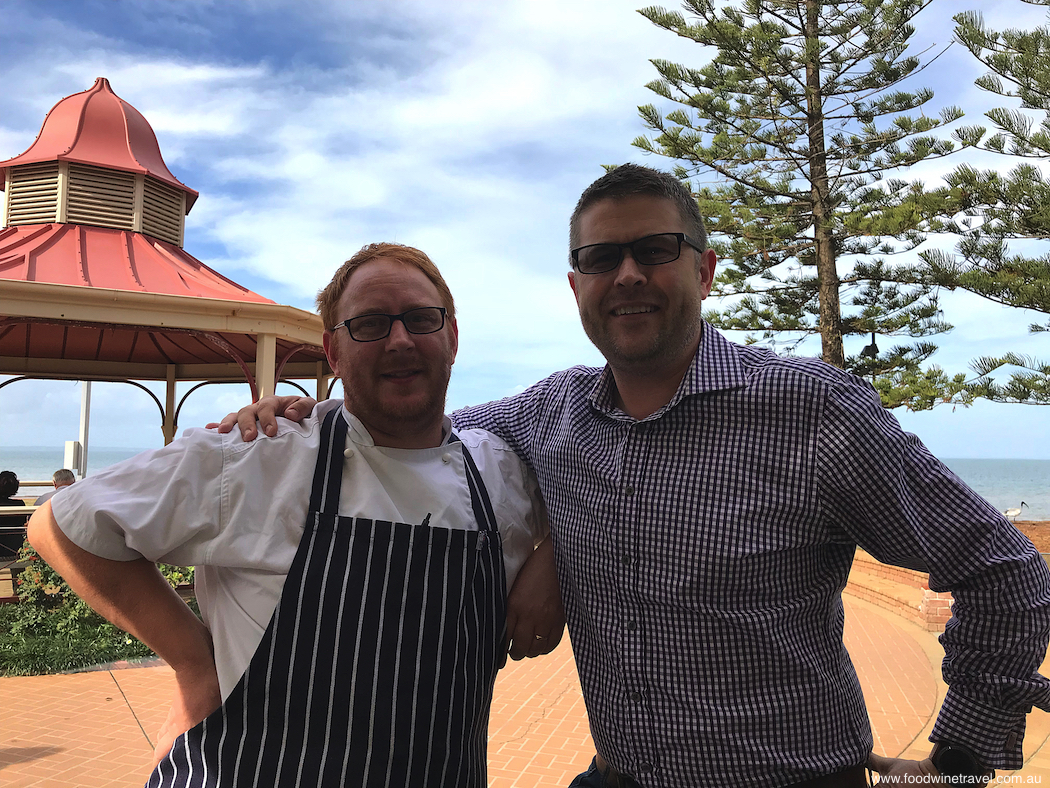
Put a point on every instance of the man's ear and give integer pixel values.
(331, 351)
(572, 284)
(708, 261)
(454, 327)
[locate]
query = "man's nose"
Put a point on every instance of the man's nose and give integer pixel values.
(630, 272)
(400, 336)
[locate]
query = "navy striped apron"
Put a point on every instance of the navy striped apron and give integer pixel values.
(378, 664)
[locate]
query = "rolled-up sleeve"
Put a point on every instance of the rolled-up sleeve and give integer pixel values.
(163, 505)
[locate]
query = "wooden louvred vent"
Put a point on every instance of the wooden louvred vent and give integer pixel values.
(33, 195)
(101, 197)
(96, 162)
(162, 211)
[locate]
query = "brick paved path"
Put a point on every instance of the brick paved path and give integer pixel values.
(93, 730)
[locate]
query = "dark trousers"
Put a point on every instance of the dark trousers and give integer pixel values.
(605, 776)
(602, 778)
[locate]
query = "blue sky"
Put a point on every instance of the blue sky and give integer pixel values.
(467, 129)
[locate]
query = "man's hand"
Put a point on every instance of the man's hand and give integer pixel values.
(535, 618)
(897, 768)
(196, 696)
(266, 411)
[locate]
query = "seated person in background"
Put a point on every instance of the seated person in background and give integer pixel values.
(352, 571)
(10, 540)
(63, 477)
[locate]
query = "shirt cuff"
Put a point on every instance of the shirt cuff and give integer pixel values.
(993, 735)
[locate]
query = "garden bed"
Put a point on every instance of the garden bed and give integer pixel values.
(41, 646)
(50, 630)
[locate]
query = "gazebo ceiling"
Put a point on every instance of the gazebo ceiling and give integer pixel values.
(54, 330)
(37, 339)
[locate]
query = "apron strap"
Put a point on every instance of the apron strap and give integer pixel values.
(328, 472)
(479, 495)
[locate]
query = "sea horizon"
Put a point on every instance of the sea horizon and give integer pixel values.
(1003, 482)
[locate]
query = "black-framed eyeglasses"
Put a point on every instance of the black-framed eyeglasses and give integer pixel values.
(650, 250)
(375, 326)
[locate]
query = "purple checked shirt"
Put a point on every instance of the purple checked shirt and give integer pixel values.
(702, 552)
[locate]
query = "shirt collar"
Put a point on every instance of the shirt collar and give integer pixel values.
(715, 367)
(359, 434)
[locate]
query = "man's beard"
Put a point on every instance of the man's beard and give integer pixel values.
(673, 339)
(394, 415)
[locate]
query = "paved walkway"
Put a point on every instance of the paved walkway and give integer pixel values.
(93, 730)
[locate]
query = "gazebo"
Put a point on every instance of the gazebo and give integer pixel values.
(95, 284)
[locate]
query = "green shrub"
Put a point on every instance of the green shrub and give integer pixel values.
(51, 629)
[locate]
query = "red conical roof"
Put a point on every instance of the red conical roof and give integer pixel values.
(98, 127)
(70, 254)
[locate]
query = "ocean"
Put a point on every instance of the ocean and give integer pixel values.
(1005, 483)
(37, 464)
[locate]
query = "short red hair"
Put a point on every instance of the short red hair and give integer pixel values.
(328, 299)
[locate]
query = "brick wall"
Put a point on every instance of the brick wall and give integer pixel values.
(902, 591)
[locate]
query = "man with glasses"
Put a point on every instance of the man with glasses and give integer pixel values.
(351, 571)
(706, 500)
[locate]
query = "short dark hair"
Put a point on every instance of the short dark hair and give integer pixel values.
(8, 484)
(628, 180)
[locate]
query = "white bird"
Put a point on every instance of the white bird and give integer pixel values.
(1011, 514)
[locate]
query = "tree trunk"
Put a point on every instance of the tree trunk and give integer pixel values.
(827, 276)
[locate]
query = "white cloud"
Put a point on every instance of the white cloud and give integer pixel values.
(467, 129)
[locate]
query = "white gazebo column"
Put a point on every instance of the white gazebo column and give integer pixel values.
(85, 424)
(266, 364)
(322, 382)
(169, 407)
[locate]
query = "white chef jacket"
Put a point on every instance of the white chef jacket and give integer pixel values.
(237, 510)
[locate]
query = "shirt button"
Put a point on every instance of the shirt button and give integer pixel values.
(348, 453)
(626, 559)
(446, 458)
(632, 625)
(636, 697)
(628, 490)
(645, 767)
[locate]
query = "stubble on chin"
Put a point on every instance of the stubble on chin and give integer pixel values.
(422, 412)
(629, 354)
(395, 415)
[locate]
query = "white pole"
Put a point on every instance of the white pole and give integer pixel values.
(85, 422)
(71, 458)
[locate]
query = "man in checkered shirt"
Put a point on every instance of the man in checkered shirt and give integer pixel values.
(706, 499)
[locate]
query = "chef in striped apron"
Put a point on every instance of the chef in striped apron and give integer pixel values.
(387, 626)
(377, 667)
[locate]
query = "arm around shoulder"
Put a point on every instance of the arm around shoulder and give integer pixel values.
(516, 419)
(262, 416)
